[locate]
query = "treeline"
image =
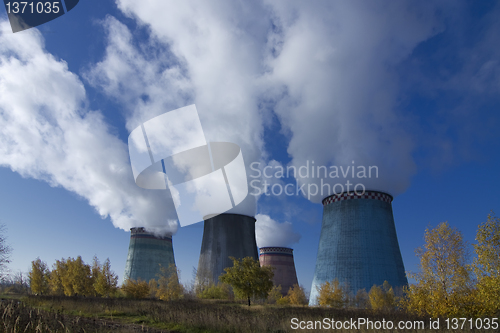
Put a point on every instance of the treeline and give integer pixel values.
(166, 287)
(245, 280)
(453, 280)
(18, 283)
(380, 298)
(72, 277)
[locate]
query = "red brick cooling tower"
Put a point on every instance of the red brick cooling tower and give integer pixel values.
(281, 258)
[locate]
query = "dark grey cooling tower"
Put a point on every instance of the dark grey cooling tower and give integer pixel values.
(146, 253)
(358, 243)
(224, 236)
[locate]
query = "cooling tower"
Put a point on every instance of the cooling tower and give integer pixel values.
(281, 258)
(358, 243)
(146, 253)
(224, 236)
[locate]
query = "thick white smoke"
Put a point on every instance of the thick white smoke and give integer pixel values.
(329, 69)
(48, 133)
(204, 60)
(269, 232)
(334, 71)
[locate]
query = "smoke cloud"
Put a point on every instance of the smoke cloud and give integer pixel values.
(49, 134)
(327, 69)
(205, 62)
(269, 232)
(334, 72)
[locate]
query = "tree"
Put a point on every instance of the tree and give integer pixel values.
(21, 281)
(135, 289)
(297, 295)
(5, 251)
(283, 300)
(105, 280)
(169, 287)
(202, 280)
(95, 272)
(78, 278)
(72, 277)
(18, 283)
(216, 291)
(153, 288)
(38, 277)
(66, 276)
(443, 285)
(382, 298)
(274, 295)
(56, 277)
(487, 266)
(333, 294)
(248, 279)
(361, 300)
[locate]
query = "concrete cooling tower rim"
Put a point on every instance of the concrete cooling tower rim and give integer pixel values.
(376, 195)
(140, 232)
(210, 216)
(276, 250)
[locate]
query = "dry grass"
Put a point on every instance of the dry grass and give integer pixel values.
(72, 314)
(16, 316)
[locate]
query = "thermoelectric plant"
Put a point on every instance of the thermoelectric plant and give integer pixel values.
(224, 236)
(146, 253)
(281, 258)
(358, 243)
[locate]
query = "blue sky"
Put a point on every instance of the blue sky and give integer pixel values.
(411, 88)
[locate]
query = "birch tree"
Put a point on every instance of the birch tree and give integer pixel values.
(444, 285)
(487, 266)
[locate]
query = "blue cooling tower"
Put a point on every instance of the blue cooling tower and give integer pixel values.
(358, 243)
(146, 253)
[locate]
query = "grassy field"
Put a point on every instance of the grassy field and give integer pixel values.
(72, 314)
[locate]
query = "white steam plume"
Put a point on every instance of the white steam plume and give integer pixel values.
(211, 56)
(269, 232)
(334, 74)
(47, 133)
(327, 69)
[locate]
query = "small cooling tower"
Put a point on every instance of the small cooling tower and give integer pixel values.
(281, 258)
(358, 243)
(224, 236)
(146, 253)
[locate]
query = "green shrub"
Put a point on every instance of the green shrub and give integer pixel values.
(216, 291)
